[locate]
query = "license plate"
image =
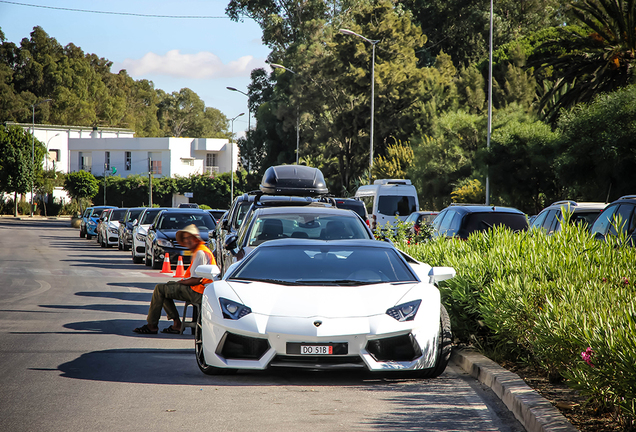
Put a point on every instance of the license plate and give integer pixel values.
(187, 253)
(316, 349)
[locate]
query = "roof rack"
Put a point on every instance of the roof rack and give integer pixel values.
(570, 202)
(628, 197)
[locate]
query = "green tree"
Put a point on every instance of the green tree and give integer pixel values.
(81, 185)
(601, 59)
(18, 168)
(398, 160)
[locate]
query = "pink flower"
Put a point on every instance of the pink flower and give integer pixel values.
(626, 281)
(604, 279)
(587, 356)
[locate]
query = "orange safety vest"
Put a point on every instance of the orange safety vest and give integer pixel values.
(199, 288)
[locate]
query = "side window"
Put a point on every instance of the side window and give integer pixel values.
(538, 222)
(455, 223)
(438, 220)
(368, 202)
(550, 221)
(603, 222)
(446, 223)
(622, 218)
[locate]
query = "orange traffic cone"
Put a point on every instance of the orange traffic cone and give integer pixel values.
(166, 264)
(180, 272)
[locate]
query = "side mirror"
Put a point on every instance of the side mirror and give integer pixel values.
(134, 223)
(437, 274)
(230, 242)
(208, 271)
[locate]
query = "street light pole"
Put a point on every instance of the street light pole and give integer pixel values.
(47, 149)
(232, 159)
(249, 112)
(33, 147)
(373, 44)
(279, 66)
(489, 132)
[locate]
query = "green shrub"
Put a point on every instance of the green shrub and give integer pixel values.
(545, 300)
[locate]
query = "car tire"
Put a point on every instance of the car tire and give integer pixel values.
(82, 233)
(101, 241)
(119, 246)
(155, 264)
(88, 236)
(444, 343)
(198, 350)
(146, 260)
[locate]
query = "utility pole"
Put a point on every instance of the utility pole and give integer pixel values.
(149, 181)
(105, 174)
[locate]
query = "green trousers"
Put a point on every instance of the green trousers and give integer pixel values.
(164, 296)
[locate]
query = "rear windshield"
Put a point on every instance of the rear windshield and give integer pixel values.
(356, 206)
(307, 225)
(324, 265)
(585, 218)
(173, 220)
(485, 221)
(393, 205)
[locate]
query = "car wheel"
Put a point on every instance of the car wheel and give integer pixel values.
(146, 260)
(88, 236)
(119, 246)
(101, 241)
(155, 264)
(82, 233)
(198, 349)
(135, 259)
(444, 342)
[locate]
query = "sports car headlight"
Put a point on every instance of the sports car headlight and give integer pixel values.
(113, 230)
(164, 243)
(233, 310)
(141, 237)
(405, 311)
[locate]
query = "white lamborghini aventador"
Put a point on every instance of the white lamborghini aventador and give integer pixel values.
(324, 305)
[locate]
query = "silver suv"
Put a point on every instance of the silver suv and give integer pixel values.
(551, 217)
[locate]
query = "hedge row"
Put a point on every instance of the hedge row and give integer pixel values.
(565, 303)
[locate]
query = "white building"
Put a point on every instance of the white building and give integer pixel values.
(168, 157)
(55, 138)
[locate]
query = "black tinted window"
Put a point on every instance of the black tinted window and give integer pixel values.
(485, 221)
(149, 216)
(132, 215)
(118, 214)
(396, 205)
(172, 220)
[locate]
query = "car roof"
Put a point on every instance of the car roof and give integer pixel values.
(574, 205)
(484, 209)
(314, 242)
(185, 210)
(304, 210)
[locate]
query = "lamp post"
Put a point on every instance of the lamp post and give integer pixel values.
(279, 66)
(489, 102)
(33, 146)
(373, 44)
(232, 159)
(249, 113)
(47, 149)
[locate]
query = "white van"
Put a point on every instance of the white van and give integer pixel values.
(387, 198)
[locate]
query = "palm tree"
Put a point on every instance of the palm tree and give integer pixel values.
(601, 58)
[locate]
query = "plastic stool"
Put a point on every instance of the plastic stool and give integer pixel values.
(195, 317)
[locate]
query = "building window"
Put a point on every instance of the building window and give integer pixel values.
(107, 161)
(128, 161)
(187, 161)
(155, 162)
(85, 162)
(210, 160)
(54, 155)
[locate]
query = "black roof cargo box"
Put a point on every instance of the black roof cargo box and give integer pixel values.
(297, 180)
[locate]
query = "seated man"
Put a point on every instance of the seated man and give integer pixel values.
(188, 289)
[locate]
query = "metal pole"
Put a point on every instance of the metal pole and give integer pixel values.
(297, 132)
(232, 164)
(149, 182)
(105, 174)
(372, 109)
(32, 153)
(489, 101)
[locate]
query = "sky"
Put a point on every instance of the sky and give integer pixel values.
(205, 55)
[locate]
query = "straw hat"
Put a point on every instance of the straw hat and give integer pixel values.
(190, 229)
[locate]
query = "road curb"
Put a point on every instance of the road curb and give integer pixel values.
(534, 412)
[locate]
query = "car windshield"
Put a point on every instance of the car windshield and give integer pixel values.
(324, 264)
(97, 213)
(118, 214)
(149, 216)
(396, 205)
(172, 220)
(133, 214)
(306, 225)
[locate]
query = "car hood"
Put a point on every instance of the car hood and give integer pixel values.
(321, 301)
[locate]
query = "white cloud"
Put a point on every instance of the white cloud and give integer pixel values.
(203, 65)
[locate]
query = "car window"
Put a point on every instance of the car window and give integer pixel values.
(438, 220)
(172, 220)
(486, 221)
(622, 219)
(307, 225)
(548, 223)
(133, 214)
(118, 214)
(585, 218)
(412, 218)
(446, 223)
(87, 212)
(149, 216)
(396, 205)
(538, 221)
(324, 265)
(239, 215)
(368, 202)
(604, 219)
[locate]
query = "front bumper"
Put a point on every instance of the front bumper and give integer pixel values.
(173, 253)
(376, 343)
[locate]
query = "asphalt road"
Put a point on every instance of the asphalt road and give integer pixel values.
(70, 362)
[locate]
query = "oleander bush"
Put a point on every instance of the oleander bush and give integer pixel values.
(565, 303)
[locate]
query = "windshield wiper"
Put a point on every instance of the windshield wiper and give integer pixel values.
(273, 281)
(335, 282)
